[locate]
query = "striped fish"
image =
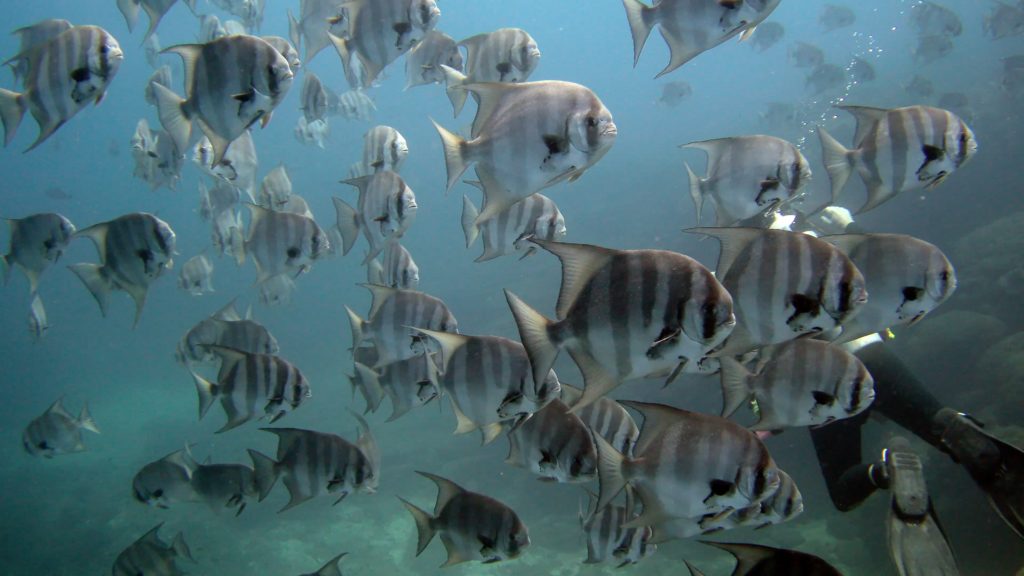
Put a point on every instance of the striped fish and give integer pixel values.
(230, 83)
(400, 269)
(607, 538)
(251, 386)
(314, 98)
(62, 76)
(504, 55)
(606, 418)
(331, 568)
(799, 383)
(196, 275)
(754, 559)
(526, 137)
(157, 161)
(224, 485)
(379, 31)
(37, 241)
(384, 148)
(37, 322)
(472, 526)
(150, 555)
(691, 27)
(162, 76)
(747, 175)
(554, 444)
(625, 314)
(226, 329)
(687, 466)
(286, 49)
(787, 503)
(238, 167)
(535, 216)
(784, 285)
(282, 243)
(313, 25)
(423, 62)
(488, 381)
(135, 249)
(166, 481)
(906, 277)
(56, 431)
(31, 36)
(276, 189)
(315, 132)
(392, 322)
(409, 383)
(314, 463)
(351, 105)
(154, 9)
(898, 150)
(386, 208)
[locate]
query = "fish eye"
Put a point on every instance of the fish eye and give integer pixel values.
(591, 121)
(158, 493)
(293, 252)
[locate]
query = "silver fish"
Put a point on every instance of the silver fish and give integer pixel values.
(386, 208)
(394, 318)
(472, 526)
(526, 137)
(31, 36)
(57, 432)
(291, 55)
(227, 329)
(1003, 21)
(931, 48)
(423, 62)
(906, 277)
(747, 175)
(504, 55)
(756, 559)
(898, 150)
(691, 27)
(488, 381)
(784, 285)
(315, 132)
(154, 9)
(237, 167)
(230, 83)
(351, 105)
(162, 76)
(400, 269)
(37, 322)
(152, 47)
(930, 19)
(535, 216)
(315, 463)
(166, 481)
(224, 485)
(384, 148)
(331, 568)
(37, 241)
(380, 31)
(804, 55)
(860, 70)
(157, 161)
(554, 444)
(835, 16)
(282, 243)
(674, 313)
(251, 386)
(766, 35)
(607, 538)
(314, 98)
(607, 418)
(784, 505)
(196, 275)
(673, 93)
(409, 383)
(799, 383)
(296, 205)
(825, 77)
(134, 249)
(276, 290)
(215, 201)
(276, 189)
(313, 25)
(62, 76)
(150, 555)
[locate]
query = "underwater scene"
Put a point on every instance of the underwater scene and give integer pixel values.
(512, 287)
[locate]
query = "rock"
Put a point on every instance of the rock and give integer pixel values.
(988, 264)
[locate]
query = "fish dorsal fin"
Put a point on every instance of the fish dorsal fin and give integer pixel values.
(473, 44)
(361, 183)
(571, 394)
(693, 569)
(463, 424)
(867, 118)
(189, 56)
(846, 243)
(181, 459)
(446, 490)
(657, 419)
(228, 313)
(448, 341)
(747, 555)
(489, 96)
(98, 234)
(331, 568)
(579, 264)
(733, 241)
(380, 295)
(286, 438)
(58, 408)
(713, 148)
(368, 445)
(152, 538)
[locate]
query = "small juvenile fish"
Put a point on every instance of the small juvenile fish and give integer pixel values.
(423, 62)
(276, 290)
(554, 444)
(314, 98)
(386, 208)
(285, 48)
(766, 35)
(315, 132)
(57, 432)
(281, 243)
(227, 329)
(166, 481)
(931, 19)
(380, 31)
(384, 148)
(238, 167)
(931, 48)
(504, 55)
(152, 47)
(351, 105)
(835, 16)
(224, 485)
(329, 569)
(861, 70)
(400, 269)
(825, 77)
(804, 55)
(196, 275)
(276, 189)
(393, 322)
(535, 216)
(673, 93)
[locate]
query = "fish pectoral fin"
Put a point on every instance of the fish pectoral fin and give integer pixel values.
(245, 96)
(668, 337)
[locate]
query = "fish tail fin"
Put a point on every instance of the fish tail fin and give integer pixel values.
(358, 324)
(640, 25)
(348, 224)
(207, 393)
(609, 468)
(368, 383)
(454, 81)
(696, 192)
(95, 281)
(454, 154)
(837, 160)
(535, 332)
(735, 385)
(12, 110)
(294, 31)
(130, 10)
(181, 548)
(85, 420)
(5, 268)
(424, 525)
(469, 216)
(264, 472)
(169, 107)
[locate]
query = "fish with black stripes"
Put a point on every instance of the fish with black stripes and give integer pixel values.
(225, 328)
(400, 270)
(423, 62)
(391, 326)
(57, 431)
(314, 98)
(36, 242)
(238, 167)
(151, 555)
(384, 211)
(504, 55)
(276, 189)
(165, 481)
(606, 418)
(608, 538)
(553, 444)
(223, 485)
(31, 36)
(291, 55)
(785, 504)
(196, 276)
(409, 383)
(898, 150)
(535, 216)
(384, 148)
(281, 243)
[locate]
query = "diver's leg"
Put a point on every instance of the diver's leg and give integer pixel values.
(848, 479)
(899, 394)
